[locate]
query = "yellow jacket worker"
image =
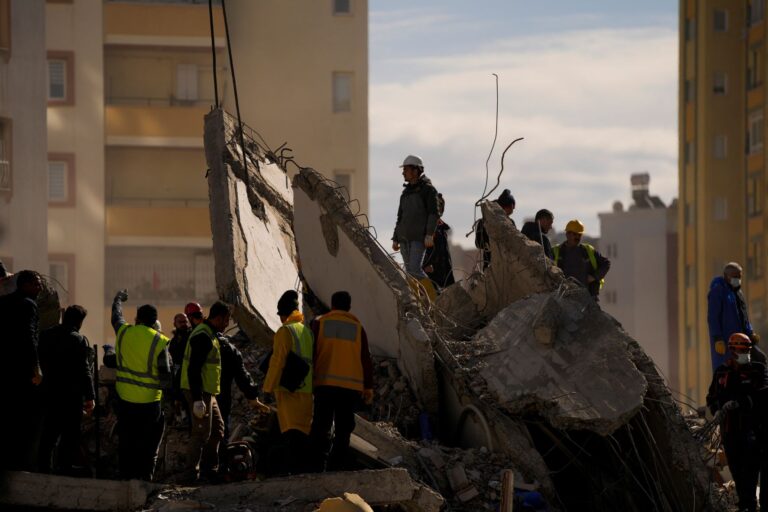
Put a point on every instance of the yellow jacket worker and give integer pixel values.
(294, 408)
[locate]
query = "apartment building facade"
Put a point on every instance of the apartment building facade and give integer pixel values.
(722, 168)
(143, 99)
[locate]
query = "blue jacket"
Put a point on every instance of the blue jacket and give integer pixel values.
(723, 317)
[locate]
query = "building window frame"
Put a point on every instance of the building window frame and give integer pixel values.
(689, 152)
(720, 146)
(720, 20)
(70, 188)
(6, 155)
(67, 261)
(68, 77)
(756, 132)
(720, 208)
(755, 258)
(5, 29)
(689, 29)
(720, 83)
(341, 7)
(756, 11)
(342, 85)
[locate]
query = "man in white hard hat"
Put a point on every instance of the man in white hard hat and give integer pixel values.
(417, 218)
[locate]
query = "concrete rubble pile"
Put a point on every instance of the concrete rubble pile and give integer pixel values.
(518, 361)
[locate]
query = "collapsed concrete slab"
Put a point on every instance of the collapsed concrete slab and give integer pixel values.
(20, 489)
(251, 213)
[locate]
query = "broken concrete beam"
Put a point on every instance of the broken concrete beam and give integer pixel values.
(377, 487)
(337, 253)
(582, 381)
(518, 266)
(20, 489)
(251, 215)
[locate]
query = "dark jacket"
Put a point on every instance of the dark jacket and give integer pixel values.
(199, 347)
(176, 348)
(65, 358)
(233, 369)
(417, 214)
(20, 335)
(574, 261)
(483, 242)
(532, 230)
(439, 258)
(724, 316)
(747, 385)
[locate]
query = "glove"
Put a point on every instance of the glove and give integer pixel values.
(720, 347)
(395, 245)
(367, 396)
(754, 338)
(429, 241)
(198, 409)
(88, 407)
(730, 405)
(122, 295)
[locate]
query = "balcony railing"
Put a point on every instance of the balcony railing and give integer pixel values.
(169, 101)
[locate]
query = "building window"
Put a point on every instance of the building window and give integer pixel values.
(755, 258)
(186, 82)
(342, 7)
(690, 276)
(344, 179)
(690, 29)
(689, 152)
(720, 147)
(720, 210)
(756, 11)
(755, 196)
(719, 82)
(755, 136)
(61, 83)
(690, 91)
(5, 28)
(61, 179)
(342, 92)
(61, 271)
(720, 20)
(5, 155)
(754, 67)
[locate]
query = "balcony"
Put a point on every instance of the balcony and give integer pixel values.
(127, 22)
(147, 125)
(166, 221)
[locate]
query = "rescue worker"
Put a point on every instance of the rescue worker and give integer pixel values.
(737, 398)
(194, 312)
(201, 382)
(65, 357)
(177, 347)
(437, 259)
(417, 217)
(580, 260)
(294, 408)
(342, 380)
(143, 370)
(727, 313)
(507, 202)
(21, 374)
(537, 231)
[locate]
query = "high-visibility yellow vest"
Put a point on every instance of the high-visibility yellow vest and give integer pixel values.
(212, 365)
(136, 351)
(302, 346)
(590, 255)
(337, 351)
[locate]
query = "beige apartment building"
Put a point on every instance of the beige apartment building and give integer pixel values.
(23, 230)
(722, 168)
(131, 82)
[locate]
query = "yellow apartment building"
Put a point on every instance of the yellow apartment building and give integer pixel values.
(23, 229)
(722, 168)
(141, 76)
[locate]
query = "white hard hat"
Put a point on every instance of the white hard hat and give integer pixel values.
(413, 160)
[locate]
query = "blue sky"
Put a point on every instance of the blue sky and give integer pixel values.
(592, 86)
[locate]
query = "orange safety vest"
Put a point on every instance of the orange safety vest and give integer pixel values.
(337, 351)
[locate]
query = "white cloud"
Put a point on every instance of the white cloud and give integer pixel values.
(594, 107)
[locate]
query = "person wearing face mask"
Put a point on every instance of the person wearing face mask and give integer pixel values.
(727, 313)
(737, 398)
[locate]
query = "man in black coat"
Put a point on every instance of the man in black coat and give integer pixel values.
(537, 231)
(65, 357)
(737, 398)
(21, 372)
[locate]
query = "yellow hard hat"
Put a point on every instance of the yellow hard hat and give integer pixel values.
(574, 226)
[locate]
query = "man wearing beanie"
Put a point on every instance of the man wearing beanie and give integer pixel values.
(143, 369)
(294, 407)
(507, 202)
